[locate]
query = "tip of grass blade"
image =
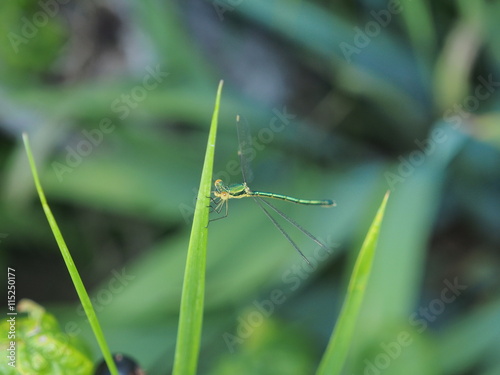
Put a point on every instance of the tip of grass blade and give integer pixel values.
(386, 196)
(193, 289)
(336, 352)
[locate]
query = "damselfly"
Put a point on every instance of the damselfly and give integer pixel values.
(223, 193)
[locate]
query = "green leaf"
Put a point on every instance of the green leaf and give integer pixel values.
(70, 265)
(193, 290)
(38, 346)
(337, 350)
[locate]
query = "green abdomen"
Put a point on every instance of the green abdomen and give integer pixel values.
(310, 202)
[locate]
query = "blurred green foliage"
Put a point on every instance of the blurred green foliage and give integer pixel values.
(379, 95)
(32, 42)
(36, 345)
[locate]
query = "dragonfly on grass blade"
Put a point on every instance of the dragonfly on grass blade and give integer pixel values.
(223, 193)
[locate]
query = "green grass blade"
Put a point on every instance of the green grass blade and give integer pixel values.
(193, 290)
(337, 350)
(70, 265)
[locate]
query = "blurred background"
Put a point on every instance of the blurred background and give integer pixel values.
(345, 100)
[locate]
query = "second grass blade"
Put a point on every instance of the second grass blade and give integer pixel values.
(336, 352)
(70, 265)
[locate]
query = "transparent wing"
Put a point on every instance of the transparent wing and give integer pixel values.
(280, 228)
(295, 224)
(246, 151)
